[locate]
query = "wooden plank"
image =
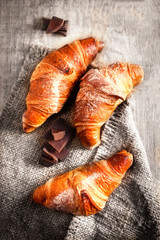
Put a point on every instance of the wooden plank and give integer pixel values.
(131, 30)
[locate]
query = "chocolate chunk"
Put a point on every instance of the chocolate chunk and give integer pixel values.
(49, 151)
(59, 125)
(55, 24)
(63, 29)
(50, 155)
(62, 155)
(45, 23)
(57, 135)
(65, 26)
(44, 161)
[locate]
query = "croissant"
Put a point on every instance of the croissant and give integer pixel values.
(84, 191)
(54, 78)
(101, 91)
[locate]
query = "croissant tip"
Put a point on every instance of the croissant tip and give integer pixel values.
(137, 73)
(127, 159)
(100, 46)
(89, 145)
(27, 128)
(94, 146)
(39, 195)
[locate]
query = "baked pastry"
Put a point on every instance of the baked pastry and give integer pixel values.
(101, 91)
(85, 190)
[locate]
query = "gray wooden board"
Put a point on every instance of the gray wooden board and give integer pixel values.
(130, 30)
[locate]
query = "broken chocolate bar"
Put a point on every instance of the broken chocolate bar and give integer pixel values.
(55, 25)
(51, 153)
(59, 125)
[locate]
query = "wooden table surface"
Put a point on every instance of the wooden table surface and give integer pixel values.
(130, 30)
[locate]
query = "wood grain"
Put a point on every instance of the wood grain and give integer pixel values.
(130, 29)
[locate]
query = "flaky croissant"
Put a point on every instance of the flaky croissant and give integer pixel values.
(84, 191)
(101, 91)
(54, 78)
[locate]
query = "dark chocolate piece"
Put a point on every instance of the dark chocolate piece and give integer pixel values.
(63, 29)
(65, 26)
(44, 161)
(57, 135)
(45, 23)
(60, 155)
(59, 125)
(49, 155)
(55, 24)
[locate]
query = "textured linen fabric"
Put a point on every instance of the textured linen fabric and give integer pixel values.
(133, 209)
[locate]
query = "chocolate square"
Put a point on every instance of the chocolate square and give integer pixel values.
(44, 161)
(51, 153)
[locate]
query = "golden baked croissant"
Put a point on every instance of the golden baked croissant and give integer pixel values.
(54, 78)
(84, 191)
(101, 91)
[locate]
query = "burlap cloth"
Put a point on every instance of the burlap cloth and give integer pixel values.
(133, 209)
